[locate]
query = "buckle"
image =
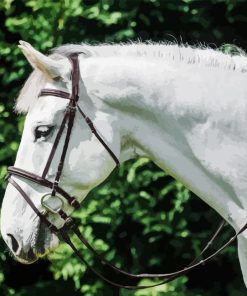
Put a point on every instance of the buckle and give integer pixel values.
(71, 109)
(75, 203)
(52, 203)
(69, 222)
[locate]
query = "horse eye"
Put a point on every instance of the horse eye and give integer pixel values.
(42, 132)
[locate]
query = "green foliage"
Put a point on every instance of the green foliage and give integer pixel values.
(140, 218)
(108, 208)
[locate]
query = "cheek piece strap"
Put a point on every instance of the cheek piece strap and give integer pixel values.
(53, 201)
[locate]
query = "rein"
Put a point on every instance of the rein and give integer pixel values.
(53, 203)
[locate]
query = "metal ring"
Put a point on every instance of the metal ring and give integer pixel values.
(49, 209)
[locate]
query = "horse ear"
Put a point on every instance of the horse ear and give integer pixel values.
(50, 67)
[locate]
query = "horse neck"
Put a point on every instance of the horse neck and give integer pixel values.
(168, 112)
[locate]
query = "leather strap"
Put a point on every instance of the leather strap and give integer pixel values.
(193, 264)
(71, 118)
(55, 145)
(102, 277)
(167, 277)
(75, 76)
(43, 182)
(94, 131)
(54, 93)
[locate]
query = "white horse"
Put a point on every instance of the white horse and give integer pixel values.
(182, 107)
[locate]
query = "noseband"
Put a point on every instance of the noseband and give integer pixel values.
(53, 202)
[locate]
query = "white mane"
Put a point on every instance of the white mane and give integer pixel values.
(178, 53)
(186, 54)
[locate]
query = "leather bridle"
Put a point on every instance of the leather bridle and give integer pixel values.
(53, 203)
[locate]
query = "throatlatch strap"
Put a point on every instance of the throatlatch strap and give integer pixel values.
(94, 131)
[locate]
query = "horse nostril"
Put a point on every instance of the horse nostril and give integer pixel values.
(14, 243)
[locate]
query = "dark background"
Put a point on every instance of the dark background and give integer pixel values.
(140, 218)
